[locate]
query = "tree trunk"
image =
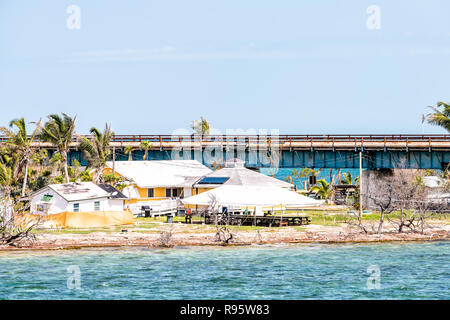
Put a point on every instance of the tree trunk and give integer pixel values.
(25, 179)
(99, 175)
(380, 226)
(66, 171)
(402, 220)
(130, 156)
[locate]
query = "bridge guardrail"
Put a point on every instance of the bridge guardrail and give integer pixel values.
(286, 140)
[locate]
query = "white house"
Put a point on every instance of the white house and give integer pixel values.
(157, 184)
(76, 197)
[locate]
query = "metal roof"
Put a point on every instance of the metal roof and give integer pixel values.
(78, 191)
(114, 193)
(161, 173)
(241, 176)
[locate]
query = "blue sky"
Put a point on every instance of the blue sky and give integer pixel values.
(150, 67)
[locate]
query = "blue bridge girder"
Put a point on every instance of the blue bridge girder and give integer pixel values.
(286, 151)
(311, 159)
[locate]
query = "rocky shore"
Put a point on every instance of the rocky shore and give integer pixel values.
(189, 235)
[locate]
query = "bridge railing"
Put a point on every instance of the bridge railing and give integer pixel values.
(360, 138)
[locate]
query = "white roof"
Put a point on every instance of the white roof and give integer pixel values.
(240, 176)
(229, 195)
(161, 173)
(77, 191)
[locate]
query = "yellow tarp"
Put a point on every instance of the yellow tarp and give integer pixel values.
(86, 219)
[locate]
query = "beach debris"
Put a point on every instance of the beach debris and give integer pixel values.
(224, 235)
(165, 239)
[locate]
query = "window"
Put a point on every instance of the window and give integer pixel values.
(150, 193)
(76, 207)
(171, 192)
(213, 180)
(47, 198)
(97, 206)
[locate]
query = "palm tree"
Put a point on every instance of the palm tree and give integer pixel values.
(129, 150)
(97, 151)
(21, 144)
(438, 117)
(6, 179)
(200, 127)
(59, 131)
(145, 145)
(348, 178)
(323, 189)
(300, 175)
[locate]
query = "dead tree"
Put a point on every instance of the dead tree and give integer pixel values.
(165, 239)
(407, 189)
(383, 199)
(15, 224)
(223, 233)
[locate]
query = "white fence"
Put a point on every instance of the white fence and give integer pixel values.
(159, 207)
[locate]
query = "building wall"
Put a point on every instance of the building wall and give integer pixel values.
(196, 191)
(187, 192)
(58, 204)
(115, 205)
(159, 192)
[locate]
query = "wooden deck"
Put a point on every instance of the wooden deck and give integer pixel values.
(251, 220)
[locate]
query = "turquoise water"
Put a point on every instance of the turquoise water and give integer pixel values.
(316, 271)
(283, 173)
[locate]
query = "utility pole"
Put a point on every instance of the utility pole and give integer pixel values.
(360, 184)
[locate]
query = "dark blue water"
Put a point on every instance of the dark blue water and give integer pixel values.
(318, 271)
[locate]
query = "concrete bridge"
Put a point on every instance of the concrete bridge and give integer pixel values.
(289, 151)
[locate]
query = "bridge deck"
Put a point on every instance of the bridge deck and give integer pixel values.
(313, 151)
(282, 142)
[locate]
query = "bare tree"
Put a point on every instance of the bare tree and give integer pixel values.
(15, 225)
(223, 233)
(402, 190)
(408, 189)
(383, 198)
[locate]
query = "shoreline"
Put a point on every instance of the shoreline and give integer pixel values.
(324, 235)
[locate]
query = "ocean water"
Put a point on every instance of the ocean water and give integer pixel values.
(283, 173)
(303, 271)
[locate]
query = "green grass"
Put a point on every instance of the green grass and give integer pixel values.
(337, 219)
(154, 225)
(67, 231)
(146, 225)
